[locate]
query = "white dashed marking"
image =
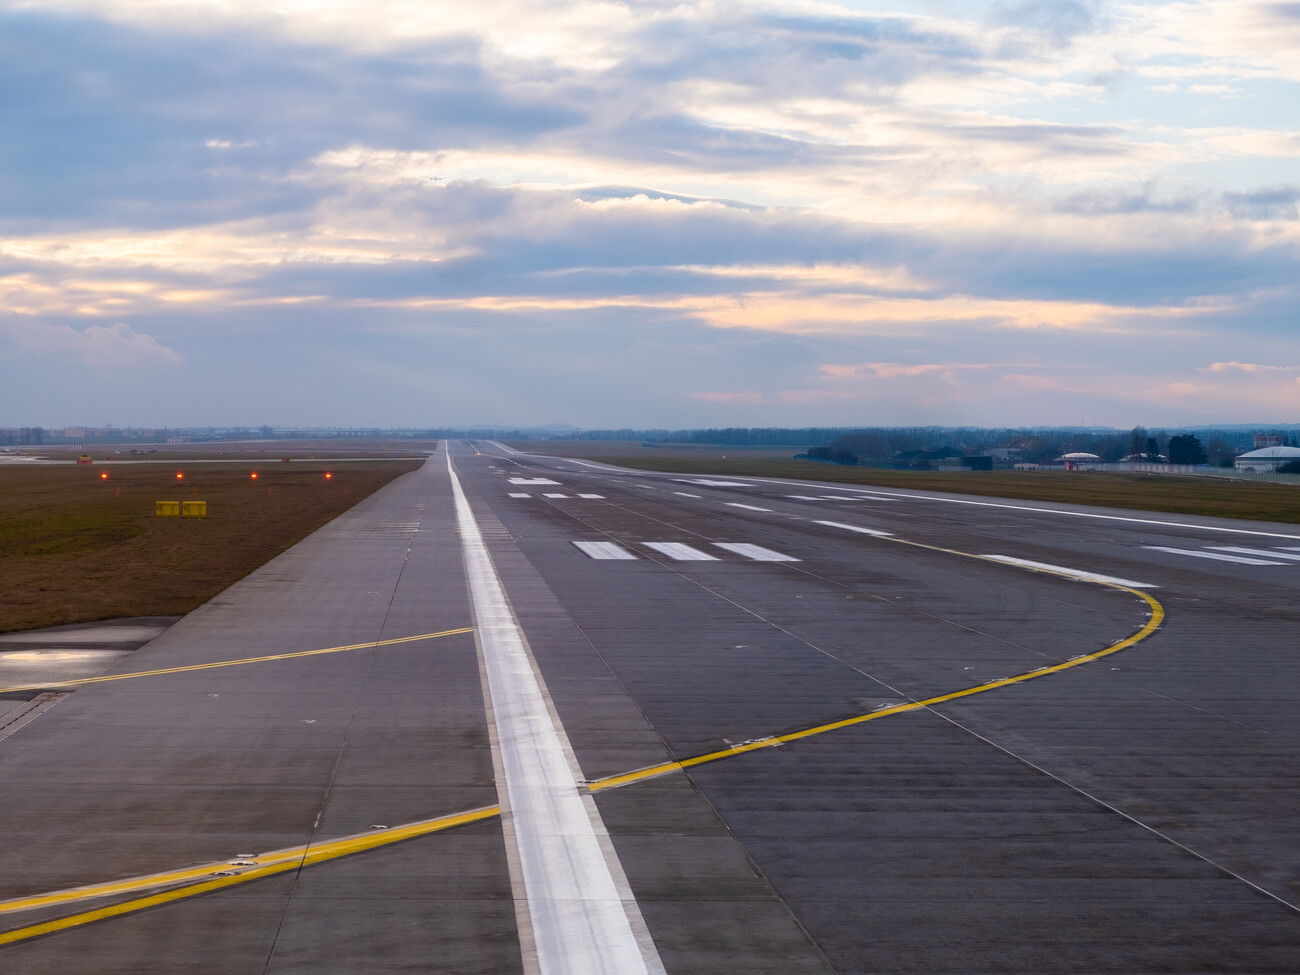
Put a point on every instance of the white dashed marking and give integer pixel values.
(747, 507)
(604, 550)
(1217, 556)
(1262, 552)
(681, 552)
(854, 528)
(757, 553)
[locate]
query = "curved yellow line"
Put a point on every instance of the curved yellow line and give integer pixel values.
(280, 861)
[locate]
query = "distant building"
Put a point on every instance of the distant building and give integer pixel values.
(1266, 459)
(1263, 440)
(1079, 460)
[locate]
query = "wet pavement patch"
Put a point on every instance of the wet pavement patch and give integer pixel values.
(67, 653)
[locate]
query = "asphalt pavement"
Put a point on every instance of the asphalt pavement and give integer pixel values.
(814, 729)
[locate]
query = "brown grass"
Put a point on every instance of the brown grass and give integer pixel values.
(75, 547)
(1186, 495)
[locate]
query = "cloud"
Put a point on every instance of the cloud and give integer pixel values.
(697, 196)
(97, 345)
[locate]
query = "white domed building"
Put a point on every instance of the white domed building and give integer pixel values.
(1266, 458)
(1079, 460)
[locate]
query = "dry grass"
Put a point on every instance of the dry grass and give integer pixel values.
(1177, 495)
(75, 547)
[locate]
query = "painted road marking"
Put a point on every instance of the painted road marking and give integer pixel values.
(323, 852)
(803, 497)
(1062, 570)
(854, 528)
(685, 495)
(708, 483)
(268, 865)
(1217, 556)
(1264, 552)
(604, 550)
(681, 552)
(573, 903)
(756, 553)
(520, 494)
(532, 480)
(236, 663)
(553, 495)
(597, 497)
(893, 496)
(747, 507)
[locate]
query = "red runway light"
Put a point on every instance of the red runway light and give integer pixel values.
(104, 476)
(179, 475)
(328, 475)
(253, 475)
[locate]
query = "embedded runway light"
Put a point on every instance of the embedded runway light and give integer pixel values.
(104, 476)
(328, 475)
(179, 475)
(253, 475)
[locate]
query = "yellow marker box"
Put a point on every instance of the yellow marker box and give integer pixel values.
(194, 509)
(167, 509)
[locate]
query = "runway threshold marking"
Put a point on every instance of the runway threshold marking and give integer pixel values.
(237, 663)
(328, 851)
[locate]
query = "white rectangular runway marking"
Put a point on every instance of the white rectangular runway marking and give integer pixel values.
(708, 483)
(1267, 553)
(532, 480)
(755, 552)
(1078, 573)
(685, 495)
(555, 495)
(681, 552)
(1217, 556)
(747, 507)
(574, 906)
(598, 497)
(854, 528)
(803, 497)
(520, 494)
(604, 550)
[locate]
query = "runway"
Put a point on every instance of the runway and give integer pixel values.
(799, 728)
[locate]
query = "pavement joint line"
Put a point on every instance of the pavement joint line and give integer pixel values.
(236, 663)
(304, 857)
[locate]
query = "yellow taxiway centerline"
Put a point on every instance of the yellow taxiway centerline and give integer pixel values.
(235, 663)
(281, 861)
(306, 856)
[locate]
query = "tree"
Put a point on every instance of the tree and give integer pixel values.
(1137, 444)
(1152, 449)
(1186, 449)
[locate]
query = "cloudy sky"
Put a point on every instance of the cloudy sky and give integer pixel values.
(649, 213)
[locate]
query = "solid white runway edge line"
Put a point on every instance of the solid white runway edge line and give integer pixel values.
(577, 902)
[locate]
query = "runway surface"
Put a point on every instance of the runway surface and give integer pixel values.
(600, 720)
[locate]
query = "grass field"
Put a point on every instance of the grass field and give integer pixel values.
(76, 546)
(1147, 492)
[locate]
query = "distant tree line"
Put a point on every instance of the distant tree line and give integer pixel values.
(922, 447)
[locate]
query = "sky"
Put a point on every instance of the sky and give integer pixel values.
(649, 214)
